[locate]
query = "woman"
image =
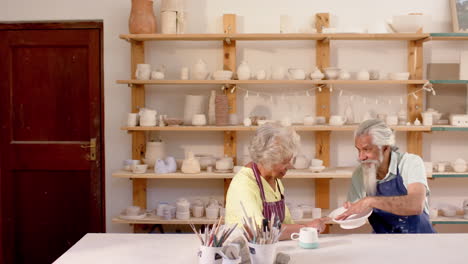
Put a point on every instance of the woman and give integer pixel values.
(258, 185)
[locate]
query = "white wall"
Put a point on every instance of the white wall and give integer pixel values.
(254, 16)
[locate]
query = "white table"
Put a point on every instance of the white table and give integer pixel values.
(355, 248)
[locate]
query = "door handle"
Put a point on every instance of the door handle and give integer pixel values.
(92, 149)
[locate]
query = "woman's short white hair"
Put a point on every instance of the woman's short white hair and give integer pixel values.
(273, 144)
(381, 134)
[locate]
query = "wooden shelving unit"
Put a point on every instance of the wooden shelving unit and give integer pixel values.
(322, 133)
(449, 175)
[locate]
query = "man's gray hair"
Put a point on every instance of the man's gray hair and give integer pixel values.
(381, 134)
(273, 144)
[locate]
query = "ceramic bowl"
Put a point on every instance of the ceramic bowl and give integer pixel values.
(222, 75)
(173, 121)
(407, 23)
(353, 221)
(332, 73)
(141, 168)
(459, 167)
(399, 75)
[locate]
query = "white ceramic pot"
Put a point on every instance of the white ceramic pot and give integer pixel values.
(225, 163)
(243, 71)
(154, 151)
(200, 70)
(169, 22)
(317, 74)
(363, 75)
(296, 74)
(194, 104)
(143, 72)
(337, 120)
(199, 120)
(332, 73)
(190, 164)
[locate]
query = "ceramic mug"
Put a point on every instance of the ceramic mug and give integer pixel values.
(337, 120)
(262, 253)
(209, 255)
(307, 237)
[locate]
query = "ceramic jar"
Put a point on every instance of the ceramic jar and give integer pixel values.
(225, 163)
(363, 75)
(143, 72)
(243, 71)
(199, 120)
(296, 74)
(190, 164)
(169, 22)
(154, 151)
(142, 19)
(147, 117)
(317, 74)
(200, 70)
(194, 104)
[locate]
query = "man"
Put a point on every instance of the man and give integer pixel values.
(392, 184)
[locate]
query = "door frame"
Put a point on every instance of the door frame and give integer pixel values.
(51, 25)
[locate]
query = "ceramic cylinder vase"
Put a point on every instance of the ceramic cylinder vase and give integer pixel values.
(154, 151)
(222, 110)
(169, 22)
(142, 19)
(212, 109)
(194, 104)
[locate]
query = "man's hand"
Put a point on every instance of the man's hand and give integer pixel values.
(360, 206)
(319, 223)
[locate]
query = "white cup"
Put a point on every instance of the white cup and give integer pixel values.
(307, 237)
(427, 119)
(316, 162)
(184, 73)
(132, 120)
(262, 253)
(132, 210)
(309, 120)
(209, 255)
(140, 168)
(197, 211)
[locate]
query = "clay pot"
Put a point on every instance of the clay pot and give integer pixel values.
(142, 19)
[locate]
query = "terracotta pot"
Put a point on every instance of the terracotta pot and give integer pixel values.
(142, 19)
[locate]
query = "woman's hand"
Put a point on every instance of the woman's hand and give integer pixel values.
(319, 223)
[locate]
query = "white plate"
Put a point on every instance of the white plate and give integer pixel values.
(353, 221)
(124, 216)
(317, 169)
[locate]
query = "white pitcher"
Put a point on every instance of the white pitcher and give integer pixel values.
(243, 71)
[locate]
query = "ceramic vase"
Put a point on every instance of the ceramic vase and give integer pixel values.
(154, 151)
(194, 104)
(142, 19)
(222, 110)
(211, 109)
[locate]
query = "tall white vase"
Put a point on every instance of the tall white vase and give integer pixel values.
(211, 109)
(194, 104)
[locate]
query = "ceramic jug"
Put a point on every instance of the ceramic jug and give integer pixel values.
(243, 71)
(200, 70)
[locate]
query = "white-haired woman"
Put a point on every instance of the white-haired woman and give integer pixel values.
(392, 184)
(258, 185)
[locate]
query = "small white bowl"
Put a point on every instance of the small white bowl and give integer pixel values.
(141, 168)
(222, 75)
(332, 73)
(399, 75)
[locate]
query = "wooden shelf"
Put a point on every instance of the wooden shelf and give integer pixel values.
(253, 128)
(272, 36)
(335, 173)
(449, 175)
(449, 81)
(458, 219)
(271, 82)
(449, 128)
(153, 219)
(449, 36)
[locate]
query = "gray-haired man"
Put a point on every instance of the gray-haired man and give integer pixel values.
(392, 184)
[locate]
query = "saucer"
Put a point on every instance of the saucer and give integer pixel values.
(317, 169)
(141, 215)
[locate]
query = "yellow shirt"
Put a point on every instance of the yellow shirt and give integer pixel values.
(244, 188)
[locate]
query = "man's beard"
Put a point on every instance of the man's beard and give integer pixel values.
(369, 169)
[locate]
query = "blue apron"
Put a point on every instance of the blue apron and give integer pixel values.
(385, 222)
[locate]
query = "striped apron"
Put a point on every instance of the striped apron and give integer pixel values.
(269, 208)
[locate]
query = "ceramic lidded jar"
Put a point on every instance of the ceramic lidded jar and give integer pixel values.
(243, 71)
(142, 19)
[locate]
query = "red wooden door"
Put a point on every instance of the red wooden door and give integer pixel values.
(52, 192)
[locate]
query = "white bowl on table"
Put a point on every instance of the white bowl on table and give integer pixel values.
(353, 221)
